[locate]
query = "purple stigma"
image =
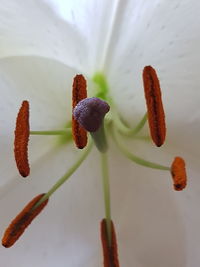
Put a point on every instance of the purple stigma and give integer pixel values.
(90, 113)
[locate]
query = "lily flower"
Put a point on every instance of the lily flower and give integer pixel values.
(43, 46)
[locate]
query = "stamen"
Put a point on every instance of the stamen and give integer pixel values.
(156, 115)
(79, 92)
(110, 253)
(22, 221)
(21, 140)
(179, 174)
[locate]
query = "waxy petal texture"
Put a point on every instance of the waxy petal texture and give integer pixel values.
(119, 38)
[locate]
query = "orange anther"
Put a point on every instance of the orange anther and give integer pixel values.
(156, 115)
(22, 221)
(21, 140)
(110, 253)
(79, 92)
(179, 174)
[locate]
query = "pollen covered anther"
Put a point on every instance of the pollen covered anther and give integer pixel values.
(21, 140)
(178, 172)
(156, 115)
(79, 92)
(22, 221)
(110, 253)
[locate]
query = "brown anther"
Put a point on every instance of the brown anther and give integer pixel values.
(110, 253)
(22, 221)
(21, 140)
(179, 174)
(156, 115)
(79, 92)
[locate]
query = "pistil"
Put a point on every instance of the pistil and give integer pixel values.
(106, 192)
(90, 113)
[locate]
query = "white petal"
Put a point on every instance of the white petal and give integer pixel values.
(147, 218)
(158, 225)
(66, 233)
(163, 34)
(33, 28)
(94, 19)
(46, 84)
(69, 31)
(140, 206)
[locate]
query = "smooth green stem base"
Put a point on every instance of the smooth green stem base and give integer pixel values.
(99, 139)
(106, 191)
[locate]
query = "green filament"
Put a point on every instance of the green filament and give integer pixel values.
(124, 130)
(106, 191)
(118, 122)
(56, 132)
(138, 127)
(137, 159)
(64, 135)
(66, 176)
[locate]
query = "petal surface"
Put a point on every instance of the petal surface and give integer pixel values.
(46, 84)
(144, 208)
(66, 233)
(163, 34)
(71, 32)
(33, 28)
(155, 226)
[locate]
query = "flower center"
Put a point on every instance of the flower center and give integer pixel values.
(89, 116)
